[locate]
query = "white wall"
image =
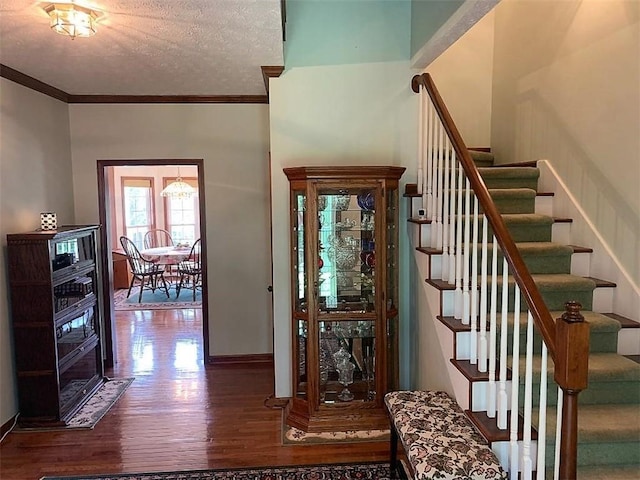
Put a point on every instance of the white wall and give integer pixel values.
(35, 173)
(363, 114)
(567, 89)
(233, 141)
(463, 76)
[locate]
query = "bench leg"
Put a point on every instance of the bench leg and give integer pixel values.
(393, 461)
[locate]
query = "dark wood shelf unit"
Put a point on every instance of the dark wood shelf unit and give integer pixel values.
(54, 283)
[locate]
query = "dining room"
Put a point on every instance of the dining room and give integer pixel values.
(154, 236)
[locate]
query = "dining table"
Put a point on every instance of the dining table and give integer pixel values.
(170, 255)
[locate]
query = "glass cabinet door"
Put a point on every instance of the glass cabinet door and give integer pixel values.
(299, 251)
(74, 272)
(72, 253)
(347, 361)
(346, 238)
(391, 233)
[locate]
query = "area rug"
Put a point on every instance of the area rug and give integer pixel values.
(95, 408)
(155, 300)
(352, 471)
(294, 436)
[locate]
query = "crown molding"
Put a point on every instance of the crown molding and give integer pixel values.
(35, 84)
(32, 83)
(168, 99)
(268, 72)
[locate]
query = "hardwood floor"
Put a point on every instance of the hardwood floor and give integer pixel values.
(178, 414)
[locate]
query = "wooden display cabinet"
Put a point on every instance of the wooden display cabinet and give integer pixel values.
(344, 259)
(54, 281)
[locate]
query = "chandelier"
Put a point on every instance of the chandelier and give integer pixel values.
(178, 189)
(72, 19)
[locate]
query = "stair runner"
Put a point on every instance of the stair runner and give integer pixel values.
(609, 413)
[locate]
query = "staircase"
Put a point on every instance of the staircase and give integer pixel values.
(609, 409)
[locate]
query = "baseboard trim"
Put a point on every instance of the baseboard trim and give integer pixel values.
(8, 425)
(264, 358)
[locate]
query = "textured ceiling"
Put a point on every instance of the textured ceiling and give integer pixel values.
(149, 47)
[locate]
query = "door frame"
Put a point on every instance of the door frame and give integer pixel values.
(105, 215)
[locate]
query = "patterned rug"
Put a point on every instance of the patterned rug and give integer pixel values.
(155, 300)
(95, 408)
(359, 471)
(294, 436)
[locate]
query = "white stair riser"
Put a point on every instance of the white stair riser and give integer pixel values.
(629, 341)
(581, 264)
(544, 205)
(603, 299)
(561, 233)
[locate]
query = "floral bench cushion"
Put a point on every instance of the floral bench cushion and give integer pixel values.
(440, 442)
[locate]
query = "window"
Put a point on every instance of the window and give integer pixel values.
(137, 198)
(182, 215)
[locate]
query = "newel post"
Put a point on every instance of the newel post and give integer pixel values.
(571, 370)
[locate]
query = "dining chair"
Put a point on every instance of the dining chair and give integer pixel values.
(148, 273)
(190, 271)
(157, 237)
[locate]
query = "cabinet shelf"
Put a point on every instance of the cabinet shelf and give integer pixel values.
(344, 279)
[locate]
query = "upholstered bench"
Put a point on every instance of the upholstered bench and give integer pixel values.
(438, 439)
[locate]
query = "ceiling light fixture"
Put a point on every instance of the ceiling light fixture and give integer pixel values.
(178, 189)
(72, 19)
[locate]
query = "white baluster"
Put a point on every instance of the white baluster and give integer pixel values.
(482, 346)
(431, 184)
(527, 461)
(465, 257)
(502, 384)
(474, 285)
(493, 332)
(439, 179)
(420, 139)
(426, 191)
(446, 225)
(453, 244)
(514, 456)
(556, 459)
(456, 257)
(542, 419)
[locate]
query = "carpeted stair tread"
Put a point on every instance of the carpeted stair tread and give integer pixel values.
(603, 331)
(603, 368)
(527, 218)
(510, 177)
(513, 200)
(610, 472)
(556, 289)
(482, 159)
(540, 257)
(613, 379)
(512, 192)
(560, 280)
(527, 227)
(617, 423)
(607, 435)
(598, 322)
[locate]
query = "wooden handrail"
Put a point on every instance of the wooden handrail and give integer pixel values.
(539, 310)
(567, 340)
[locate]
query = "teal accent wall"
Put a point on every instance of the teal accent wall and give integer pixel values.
(339, 32)
(427, 16)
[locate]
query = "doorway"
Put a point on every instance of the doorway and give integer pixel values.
(107, 212)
